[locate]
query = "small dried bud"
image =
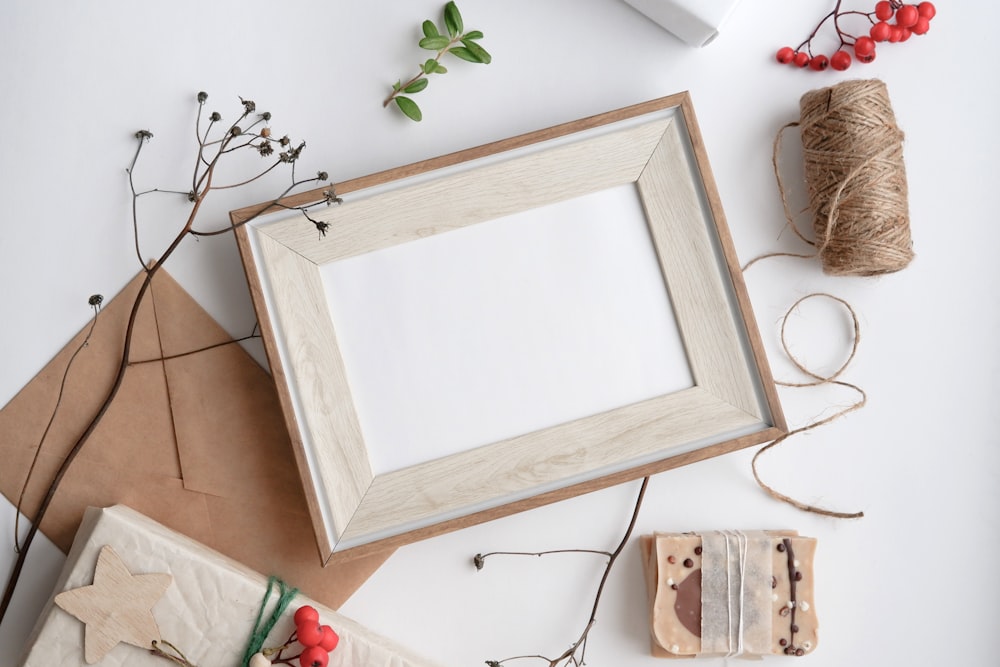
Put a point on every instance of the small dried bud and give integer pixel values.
(266, 115)
(215, 117)
(331, 197)
(192, 196)
(492, 663)
(143, 134)
(285, 140)
(322, 176)
(235, 130)
(321, 226)
(202, 96)
(265, 131)
(479, 561)
(292, 154)
(265, 148)
(95, 300)
(249, 105)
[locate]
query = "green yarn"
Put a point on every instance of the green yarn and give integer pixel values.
(260, 632)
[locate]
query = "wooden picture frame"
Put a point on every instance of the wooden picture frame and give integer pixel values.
(657, 147)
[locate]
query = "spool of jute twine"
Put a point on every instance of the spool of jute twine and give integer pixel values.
(856, 179)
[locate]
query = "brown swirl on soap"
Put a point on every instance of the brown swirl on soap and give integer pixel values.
(688, 602)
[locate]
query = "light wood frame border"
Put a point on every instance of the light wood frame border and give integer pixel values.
(656, 145)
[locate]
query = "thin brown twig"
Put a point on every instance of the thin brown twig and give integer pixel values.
(205, 183)
(48, 426)
(580, 645)
(197, 351)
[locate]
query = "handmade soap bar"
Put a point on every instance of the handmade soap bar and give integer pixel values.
(207, 610)
(730, 593)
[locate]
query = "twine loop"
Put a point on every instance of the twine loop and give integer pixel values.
(817, 380)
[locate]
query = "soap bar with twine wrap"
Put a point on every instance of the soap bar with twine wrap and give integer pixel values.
(730, 593)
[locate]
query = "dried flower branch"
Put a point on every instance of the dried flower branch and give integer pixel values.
(454, 40)
(214, 147)
(575, 654)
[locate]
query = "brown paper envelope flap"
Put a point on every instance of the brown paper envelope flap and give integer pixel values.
(137, 431)
(231, 437)
(94, 483)
(133, 457)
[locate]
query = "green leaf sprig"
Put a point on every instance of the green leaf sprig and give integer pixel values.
(454, 40)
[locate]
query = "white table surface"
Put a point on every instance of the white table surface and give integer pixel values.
(912, 582)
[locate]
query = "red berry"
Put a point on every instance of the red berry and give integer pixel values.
(785, 55)
(840, 60)
(904, 34)
(306, 614)
(906, 16)
(922, 25)
(883, 10)
(864, 46)
(314, 656)
(895, 34)
(819, 63)
(927, 10)
(801, 59)
(880, 31)
(309, 634)
(330, 638)
(867, 58)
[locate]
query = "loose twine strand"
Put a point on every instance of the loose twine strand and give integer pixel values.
(815, 382)
(856, 179)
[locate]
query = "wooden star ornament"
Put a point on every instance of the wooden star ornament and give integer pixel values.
(116, 608)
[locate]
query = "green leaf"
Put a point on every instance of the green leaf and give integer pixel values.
(473, 34)
(429, 66)
(453, 19)
(477, 51)
(465, 54)
(409, 107)
(430, 30)
(416, 86)
(440, 69)
(396, 86)
(434, 43)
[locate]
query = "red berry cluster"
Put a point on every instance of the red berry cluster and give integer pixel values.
(317, 639)
(892, 21)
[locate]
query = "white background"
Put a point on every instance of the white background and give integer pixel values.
(913, 583)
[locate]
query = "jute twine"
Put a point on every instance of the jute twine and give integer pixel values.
(853, 159)
(815, 380)
(856, 179)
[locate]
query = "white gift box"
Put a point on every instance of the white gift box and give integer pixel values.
(696, 22)
(208, 611)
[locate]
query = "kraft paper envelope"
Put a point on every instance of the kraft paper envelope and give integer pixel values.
(196, 442)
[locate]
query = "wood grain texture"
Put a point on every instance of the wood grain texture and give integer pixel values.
(734, 404)
(511, 469)
(339, 453)
(682, 233)
(471, 196)
(116, 608)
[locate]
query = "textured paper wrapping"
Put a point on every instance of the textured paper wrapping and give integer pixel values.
(207, 612)
(696, 22)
